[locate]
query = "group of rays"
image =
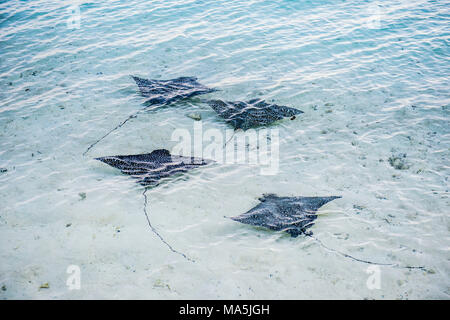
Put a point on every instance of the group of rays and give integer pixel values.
(293, 215)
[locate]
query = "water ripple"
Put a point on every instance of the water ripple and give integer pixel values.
(367, 92)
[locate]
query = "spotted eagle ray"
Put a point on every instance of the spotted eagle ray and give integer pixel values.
(291, 214)
(164, 92)
(294, 215)
(251, 114)
(160, 93)
(148, 169)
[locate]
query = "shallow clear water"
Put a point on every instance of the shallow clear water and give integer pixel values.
(371, 77)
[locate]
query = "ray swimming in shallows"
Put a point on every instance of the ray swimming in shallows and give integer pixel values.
(150, 168)
(251, 114)
(294, 215)
(161, 93)
(167, 91)
(291, 214)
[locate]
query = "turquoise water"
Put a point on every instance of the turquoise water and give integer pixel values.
(373, 81)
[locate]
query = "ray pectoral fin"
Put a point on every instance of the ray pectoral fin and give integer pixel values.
(186, 79)
(112, 161)
(160, 153)
(297, 111)
(140, 81)
(266, 196)
(312, 204)
(333, 198)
